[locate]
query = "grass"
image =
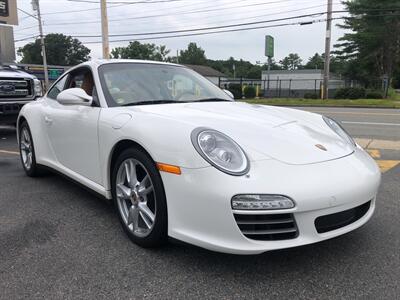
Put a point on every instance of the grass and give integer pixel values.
(373, 103)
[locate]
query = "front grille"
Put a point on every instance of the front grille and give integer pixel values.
(274, 227)
(12, 88)
(338, 220)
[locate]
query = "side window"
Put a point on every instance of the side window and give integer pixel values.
(57, 88)
(83, 79)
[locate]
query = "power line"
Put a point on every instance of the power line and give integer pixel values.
(180, 12)
(218, 27)
(228, 30)
(213, 27)
(212, 8)
(128, 2)
(231, 20)
(80, 10)
(223, 31)
(233, 25)
(108, 7)
(205, 33)
(25, 28)
(27, 38)
(28, 14)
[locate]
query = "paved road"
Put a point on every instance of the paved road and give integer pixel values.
(59, 241)
(366, 123)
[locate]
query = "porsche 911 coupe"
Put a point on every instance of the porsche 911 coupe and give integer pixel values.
(180, 158)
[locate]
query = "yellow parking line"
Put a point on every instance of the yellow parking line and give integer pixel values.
(9, 152)
(374, 153)
(386, 165)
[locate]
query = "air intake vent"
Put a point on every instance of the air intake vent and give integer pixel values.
(338, 220)
(273, 227)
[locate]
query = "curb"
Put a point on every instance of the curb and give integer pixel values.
(329, 106)
(378, 144)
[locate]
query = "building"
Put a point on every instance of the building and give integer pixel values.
(297, 83)
(211, 74)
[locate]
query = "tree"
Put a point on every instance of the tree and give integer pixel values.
(60, 49)
(136, 50)
(193, 55)
(372, 45)
(291, 62)
(315, 62)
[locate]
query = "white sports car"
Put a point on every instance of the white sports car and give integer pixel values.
(181, 159)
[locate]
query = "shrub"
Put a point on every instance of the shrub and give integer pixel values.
(310, 96)
(374, 94)
(236, 90)
(350, 93)
(341, 93)
(356, 93)
(249, 92)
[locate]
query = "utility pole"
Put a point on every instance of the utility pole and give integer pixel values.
(36, 7)
(104, 29)
(325, 92)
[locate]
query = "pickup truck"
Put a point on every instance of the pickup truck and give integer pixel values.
(16, 89)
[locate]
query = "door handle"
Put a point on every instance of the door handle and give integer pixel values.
(48, 120)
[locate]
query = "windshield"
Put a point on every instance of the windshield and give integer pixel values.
(140, 83)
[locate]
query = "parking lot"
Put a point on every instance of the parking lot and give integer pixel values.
(57, 240)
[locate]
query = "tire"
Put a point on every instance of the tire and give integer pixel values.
(139, 199)
(27, 151)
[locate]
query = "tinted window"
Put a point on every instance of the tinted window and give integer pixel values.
(57, 88)
(82, 79)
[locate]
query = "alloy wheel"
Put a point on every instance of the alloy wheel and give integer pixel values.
(26, 148)
(136, 198)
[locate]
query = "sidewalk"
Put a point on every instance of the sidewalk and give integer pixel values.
(378, 144)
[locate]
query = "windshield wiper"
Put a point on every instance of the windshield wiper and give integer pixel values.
(152, 102)
(212, 100)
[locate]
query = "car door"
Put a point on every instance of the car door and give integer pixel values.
(73, 129)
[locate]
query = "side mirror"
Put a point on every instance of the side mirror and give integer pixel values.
(74, 96)
(229, 93)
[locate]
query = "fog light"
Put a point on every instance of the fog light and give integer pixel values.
(261, 202)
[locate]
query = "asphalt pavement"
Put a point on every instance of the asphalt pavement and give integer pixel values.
(365, 122)
(58, 241)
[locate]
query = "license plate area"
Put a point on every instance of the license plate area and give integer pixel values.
(8, 109)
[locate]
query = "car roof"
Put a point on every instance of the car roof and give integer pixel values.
(99, 62)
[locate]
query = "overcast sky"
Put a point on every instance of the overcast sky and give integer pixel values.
(189, 14)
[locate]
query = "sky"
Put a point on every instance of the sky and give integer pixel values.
(82, 17)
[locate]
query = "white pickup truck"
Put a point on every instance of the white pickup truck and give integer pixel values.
(16, 89)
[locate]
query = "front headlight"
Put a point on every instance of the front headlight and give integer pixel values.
(339, 130)
(220, 151)
(38, 88)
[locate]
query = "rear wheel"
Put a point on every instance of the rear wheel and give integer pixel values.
(27, 151)
(139, 198)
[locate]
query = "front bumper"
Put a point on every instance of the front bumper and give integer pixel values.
(199, 201)
(9, 111)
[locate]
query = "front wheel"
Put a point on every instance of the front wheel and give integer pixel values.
(139, 198)
(27, 151)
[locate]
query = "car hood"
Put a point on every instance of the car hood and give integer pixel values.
(264, 132)
(15, 74)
